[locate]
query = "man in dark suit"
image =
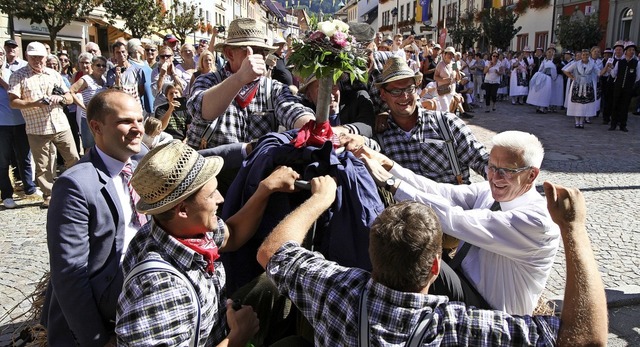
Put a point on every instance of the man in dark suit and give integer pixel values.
(89, 225)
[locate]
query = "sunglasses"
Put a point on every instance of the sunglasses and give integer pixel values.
(150, 49)
(101, 65)
(400, 91)
(165, 56)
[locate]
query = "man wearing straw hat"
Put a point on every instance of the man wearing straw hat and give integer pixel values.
(178, 188)
(425, 151)
(237, 103)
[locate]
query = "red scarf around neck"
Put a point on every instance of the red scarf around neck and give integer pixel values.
(204, 246)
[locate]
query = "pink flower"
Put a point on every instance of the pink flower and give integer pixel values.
(340, 39)
(317, 36)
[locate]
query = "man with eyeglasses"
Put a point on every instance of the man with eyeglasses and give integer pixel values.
(94, 49)
(510, 240)
(166, 73)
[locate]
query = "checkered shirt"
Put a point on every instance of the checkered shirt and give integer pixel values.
(31, 86)
(328, 295)
(423, 151)
(375, 75)
(242, 125)
(156, 308)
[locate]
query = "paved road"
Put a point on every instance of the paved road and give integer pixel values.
(605, 165)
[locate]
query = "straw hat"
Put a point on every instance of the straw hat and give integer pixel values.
(397, 69)
(307, 82)
(170, 173)
(244, 32)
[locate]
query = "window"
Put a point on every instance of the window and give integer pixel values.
(414, 9)
(542, 37)
(471, 4)
(625, 24)
(522, 41)
(401, 12)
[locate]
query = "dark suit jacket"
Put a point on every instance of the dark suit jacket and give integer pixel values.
(85, 231)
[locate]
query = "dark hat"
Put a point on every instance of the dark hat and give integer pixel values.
(362, 32)
(170, 38)
(568, 52)
(608, 50)
(204, 41)
(11, 43)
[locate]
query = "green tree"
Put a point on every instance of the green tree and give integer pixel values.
(55, 14)
(182, 19)
(140, 16)
(577, 33)
(463, 30)
(498, 25)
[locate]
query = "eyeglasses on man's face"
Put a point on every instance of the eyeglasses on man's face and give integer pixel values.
(400, 91)
(504, 171)
(166, 56)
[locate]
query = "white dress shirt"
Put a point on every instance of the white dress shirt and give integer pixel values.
(514, 248)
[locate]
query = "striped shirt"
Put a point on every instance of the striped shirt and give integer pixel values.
(30, 86)
(156, 308)
(242, 124)
(92, 89)
(328, 296)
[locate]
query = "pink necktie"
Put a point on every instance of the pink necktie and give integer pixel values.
(139, 219)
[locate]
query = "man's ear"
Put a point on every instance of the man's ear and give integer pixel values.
(533, 174)
(435, 267)
(181, 210)
(95, 127)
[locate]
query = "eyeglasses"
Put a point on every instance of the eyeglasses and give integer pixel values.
(505, 172)
(397, 92)
(101, 65)
(165, 56)
(150, 49)
(64, 60)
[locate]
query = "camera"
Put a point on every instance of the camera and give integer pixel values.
(221, 29)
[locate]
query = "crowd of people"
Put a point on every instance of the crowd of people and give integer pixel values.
(192, 219)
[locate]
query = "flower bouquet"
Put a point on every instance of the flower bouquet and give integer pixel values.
(327, 54)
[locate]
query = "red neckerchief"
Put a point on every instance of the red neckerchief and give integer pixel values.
(247, 92)
(204, 246)
(314, 134)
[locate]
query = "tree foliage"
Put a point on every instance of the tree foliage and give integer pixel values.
(578, 33)
(498, 25)
(55, 14)
(140, 16)
(463, 31)
(182, 19)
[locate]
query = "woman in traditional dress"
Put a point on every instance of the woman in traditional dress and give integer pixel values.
(519, 82)
(557, 83)
(540, 86)
(446, 76)
(584, 80)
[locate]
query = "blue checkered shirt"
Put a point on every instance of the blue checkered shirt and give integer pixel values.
(156, 308)
(328, 296)
(242, 125)
(423, 150)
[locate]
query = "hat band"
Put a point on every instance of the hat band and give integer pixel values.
(183, 186)
(399, 73)
(244, 40)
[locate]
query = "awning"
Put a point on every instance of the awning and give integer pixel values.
(41, 35)
(370, 16)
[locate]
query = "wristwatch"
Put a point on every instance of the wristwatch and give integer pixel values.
(390, 182)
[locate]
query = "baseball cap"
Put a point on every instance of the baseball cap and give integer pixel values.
(36, 49)
(170, 38)
(11, 43)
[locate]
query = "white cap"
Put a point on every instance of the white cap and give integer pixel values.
(278, 40)
(36, 48)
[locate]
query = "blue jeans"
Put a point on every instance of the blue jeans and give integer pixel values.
(13, 140)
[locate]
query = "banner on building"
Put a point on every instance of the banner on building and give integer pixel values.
(497, 3)
(423, 11)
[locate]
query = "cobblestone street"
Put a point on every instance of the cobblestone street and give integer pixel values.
(605, 165)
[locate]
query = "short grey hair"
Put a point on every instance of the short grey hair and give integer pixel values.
(133, 45)
(528, 144)
(85, 55)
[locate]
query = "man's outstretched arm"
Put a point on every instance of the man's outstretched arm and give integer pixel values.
(294, 227)
(584, 313)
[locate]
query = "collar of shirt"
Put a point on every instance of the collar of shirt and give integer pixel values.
(114, 166)
(185, 257)
(530, 195)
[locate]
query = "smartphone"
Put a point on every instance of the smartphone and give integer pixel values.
(610, 61)
(183, 103)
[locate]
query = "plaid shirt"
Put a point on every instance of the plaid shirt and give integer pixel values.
(155, 308)
(328, 295)
(375, 75)
(31, 86)
(423, 150)
(242, 125)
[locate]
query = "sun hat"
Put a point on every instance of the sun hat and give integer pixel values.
(307, 82)
(629, 44)
(437, 46)
(36, 48)
(169, 174)
(362, 32)
(278, 40)
(450, 50)
(396, 69)
(244, 32)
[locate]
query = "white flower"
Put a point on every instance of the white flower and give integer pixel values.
(341, 26)
(327, 28)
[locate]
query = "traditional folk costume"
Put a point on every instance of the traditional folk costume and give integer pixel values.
(540, 87)
(519, 83)
(582, 99)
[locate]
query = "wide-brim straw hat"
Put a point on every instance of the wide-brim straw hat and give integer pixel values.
(169, 174)
(244, 32)
(307, 82)
(396, 69)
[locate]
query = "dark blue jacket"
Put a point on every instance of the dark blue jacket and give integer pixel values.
(341, 234)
